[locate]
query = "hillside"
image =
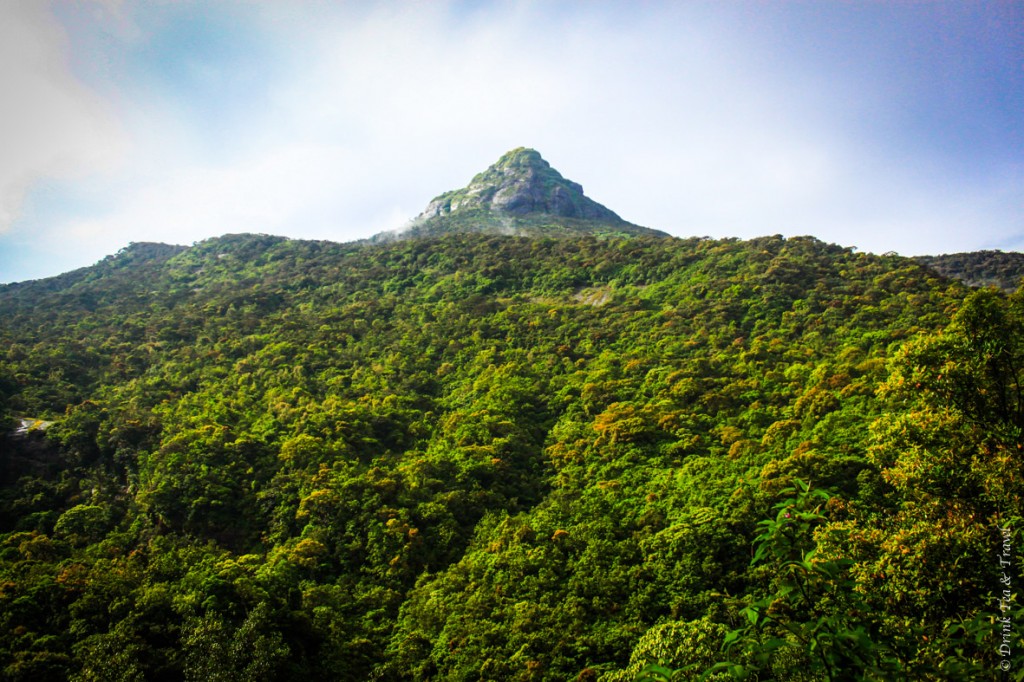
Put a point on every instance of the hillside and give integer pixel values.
(470, 456)
(980, 268)
(476, 456)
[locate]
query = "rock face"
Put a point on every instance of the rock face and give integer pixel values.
(520, 194)
(521, 182)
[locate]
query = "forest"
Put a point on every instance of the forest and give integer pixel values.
(482, 457)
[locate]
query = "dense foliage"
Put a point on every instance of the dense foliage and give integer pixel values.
(480, 457)
(980, 268)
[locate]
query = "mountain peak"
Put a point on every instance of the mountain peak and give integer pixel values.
(524, 164)
(519, 194)
(521, 157)
(521, 182)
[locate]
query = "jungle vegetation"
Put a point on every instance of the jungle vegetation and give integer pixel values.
(481, 457)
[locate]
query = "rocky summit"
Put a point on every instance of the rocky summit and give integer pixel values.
(521, 194)
(520, 183)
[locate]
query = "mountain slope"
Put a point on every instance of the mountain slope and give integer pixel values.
(520, 194)
(462, 457)
(1003, 270)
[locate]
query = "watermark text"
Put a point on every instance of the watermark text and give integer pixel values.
(1005, 597)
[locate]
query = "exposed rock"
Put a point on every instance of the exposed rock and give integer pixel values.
(521, 182)
(520, 194)
(27, 426)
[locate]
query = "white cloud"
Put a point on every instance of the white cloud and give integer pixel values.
(377, 114)
(50, 125)
(271, 192)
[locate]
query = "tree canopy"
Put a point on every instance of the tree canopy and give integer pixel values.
(476, 457)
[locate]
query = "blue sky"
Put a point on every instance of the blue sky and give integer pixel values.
(888, 126)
